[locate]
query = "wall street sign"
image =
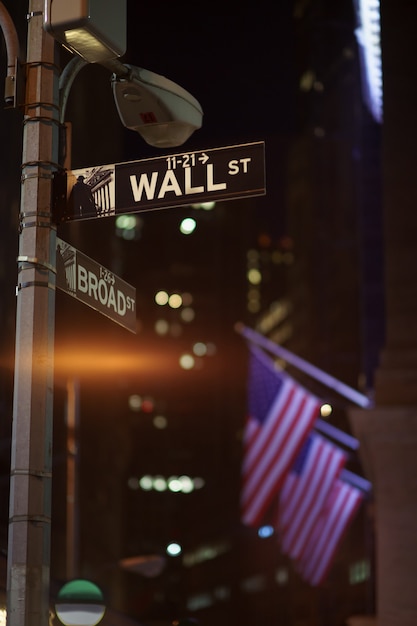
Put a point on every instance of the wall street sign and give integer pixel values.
(91, 283)
(161, 182)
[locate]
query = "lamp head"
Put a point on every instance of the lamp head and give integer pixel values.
(93, 29)
(161, 111)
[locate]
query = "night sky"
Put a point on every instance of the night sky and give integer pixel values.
(238, 63)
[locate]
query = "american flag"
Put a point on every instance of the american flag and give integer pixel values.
(329, 530)
(305, 491)
(280, 416)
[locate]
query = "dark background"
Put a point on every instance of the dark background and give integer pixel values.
(317, 253)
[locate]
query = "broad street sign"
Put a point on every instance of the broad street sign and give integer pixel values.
(178, 179)
(88, 281)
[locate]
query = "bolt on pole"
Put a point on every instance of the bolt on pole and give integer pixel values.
(28, 569)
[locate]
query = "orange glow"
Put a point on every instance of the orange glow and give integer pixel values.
(99, 361)
(96, 361)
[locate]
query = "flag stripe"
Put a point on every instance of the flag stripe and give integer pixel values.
(283, 413)
(278, 437)
(330, 528)
(304, 494)
(279, 453)
(260, 445)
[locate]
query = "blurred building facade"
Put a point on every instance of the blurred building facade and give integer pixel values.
(388, 432)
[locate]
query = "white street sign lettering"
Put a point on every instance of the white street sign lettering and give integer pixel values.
(91, 283)
(161, 182)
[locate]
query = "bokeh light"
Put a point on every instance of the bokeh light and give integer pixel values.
(175, 301)
(187, 314)
(254, 276)
(188, 225)
(326, 410)
(135, 402)
(173, 549)
(187, 361)
(160, 422)
(200, 348)
(161, 298)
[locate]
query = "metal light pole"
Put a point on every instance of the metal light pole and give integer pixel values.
(31, 461)
(176, 115)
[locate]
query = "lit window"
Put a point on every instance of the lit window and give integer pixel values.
(161, 298)
(199, 601)
(254, 300)
(128, 226)
(188, 225)
(133, 484)
(187, 361)
(254, 583)
(200, 348)
(277, 257)
(281, 576)
(307, 80)
(187, 485)
(254, 276)
(359, 572)
(198, 482)
(146, 483)
(254, 306)
(187, 314)
(252, 256)
(175, 301)
(222, 593)
(159, 483)
(160, 422)
(173, 549)
(206, 206)
(135, 402)
(174, 484)
(161, 327)
(205, 553)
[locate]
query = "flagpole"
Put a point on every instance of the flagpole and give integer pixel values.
(311, 370)
(335, 433)
(356, 481)
(320, 425)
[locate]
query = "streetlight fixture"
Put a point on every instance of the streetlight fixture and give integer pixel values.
(162, 112)
(94, 29)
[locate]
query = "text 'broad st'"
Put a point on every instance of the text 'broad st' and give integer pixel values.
(91, 283)
(174, 180)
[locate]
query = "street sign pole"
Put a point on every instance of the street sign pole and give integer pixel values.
(28, 568)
